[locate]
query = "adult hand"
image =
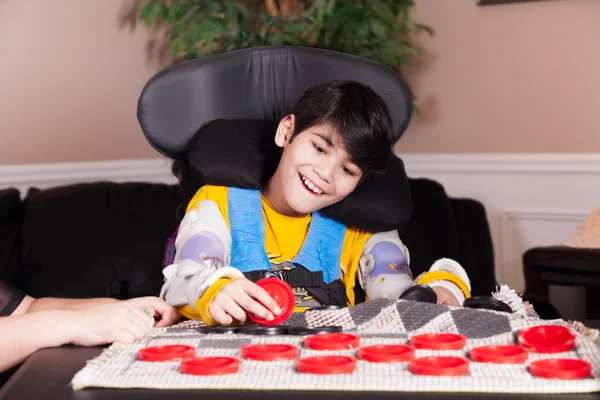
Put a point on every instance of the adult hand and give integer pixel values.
(168, 315)
(108, 323)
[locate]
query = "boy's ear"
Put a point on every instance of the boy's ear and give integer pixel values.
(285, 130)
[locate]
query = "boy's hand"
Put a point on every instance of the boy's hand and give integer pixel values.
(445, 296)
(168, 315)
(241, 296)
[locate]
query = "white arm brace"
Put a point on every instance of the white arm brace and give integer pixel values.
(384, 266)
(203, 247)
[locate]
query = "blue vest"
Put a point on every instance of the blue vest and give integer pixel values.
(320, 251)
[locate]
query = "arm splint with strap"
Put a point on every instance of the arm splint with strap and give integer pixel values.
(203, 249)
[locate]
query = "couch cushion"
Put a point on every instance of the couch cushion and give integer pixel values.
(431, 232)
(84, 240)
(10, 232)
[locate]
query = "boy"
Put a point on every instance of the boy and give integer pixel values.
(337, 135)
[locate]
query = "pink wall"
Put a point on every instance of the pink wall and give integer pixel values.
(71, 72)
(513, 78)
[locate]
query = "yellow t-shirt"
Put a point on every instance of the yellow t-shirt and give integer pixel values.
(285, 235)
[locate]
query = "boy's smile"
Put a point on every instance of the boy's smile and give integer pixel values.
(314, 172)
(310, 186)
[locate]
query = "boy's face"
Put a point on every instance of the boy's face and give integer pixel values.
(315, 170)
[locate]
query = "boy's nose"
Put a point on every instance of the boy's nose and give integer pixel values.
(325, 171)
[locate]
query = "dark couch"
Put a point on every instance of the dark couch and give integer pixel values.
(107, 239)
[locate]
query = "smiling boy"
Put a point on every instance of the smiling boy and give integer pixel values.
(337, 135)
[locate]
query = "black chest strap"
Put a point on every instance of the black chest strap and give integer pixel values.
(333, 293)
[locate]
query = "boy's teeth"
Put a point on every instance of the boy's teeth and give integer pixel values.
(311, 186)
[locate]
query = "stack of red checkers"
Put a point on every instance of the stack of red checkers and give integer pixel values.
(547, 339)
(283, 295)
(509, 354)
(269, 352)
(387, 353)
(325, 365)
(439, 366)
(333, 341)
(210, 366)
(561, 368)
(166, 353)
(439, 341)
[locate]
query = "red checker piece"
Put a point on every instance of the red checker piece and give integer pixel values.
(269, 352)
(325, 365)
(333, 341)
(387, 353)
(547, 339)
(439, 366)
(166, 353)
(439, 341)
(509, 354)
(210, 365)
(561, 369)
(283, 295)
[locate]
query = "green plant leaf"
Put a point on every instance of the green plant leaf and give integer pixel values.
(388, 56)
(191, 54)
(146, 10)
(163, 11)
(230, 11)
(177, 31)
(330, 7)
(378, 28)
(243, 10)
(191, 13)
(293, 27)
(275, 39)
(176, 47)
(264, 31)
(291, 39)
(208, 38)
(178, 10)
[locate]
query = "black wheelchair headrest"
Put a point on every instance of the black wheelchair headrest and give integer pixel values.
(256, 83)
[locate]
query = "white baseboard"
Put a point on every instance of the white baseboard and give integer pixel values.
(531, 199)
(22, 177)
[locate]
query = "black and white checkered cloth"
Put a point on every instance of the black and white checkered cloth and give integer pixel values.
(377, 322)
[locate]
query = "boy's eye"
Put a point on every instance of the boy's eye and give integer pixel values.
(348, 171)
(318, 148)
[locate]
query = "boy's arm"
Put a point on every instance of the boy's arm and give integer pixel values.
(448, 278)
(203, 247)
(384, 270)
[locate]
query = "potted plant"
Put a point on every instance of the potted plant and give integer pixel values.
(374, 29)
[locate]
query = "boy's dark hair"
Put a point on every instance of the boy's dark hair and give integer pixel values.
(358, 113)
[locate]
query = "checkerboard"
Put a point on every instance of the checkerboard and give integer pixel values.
(376, 322)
